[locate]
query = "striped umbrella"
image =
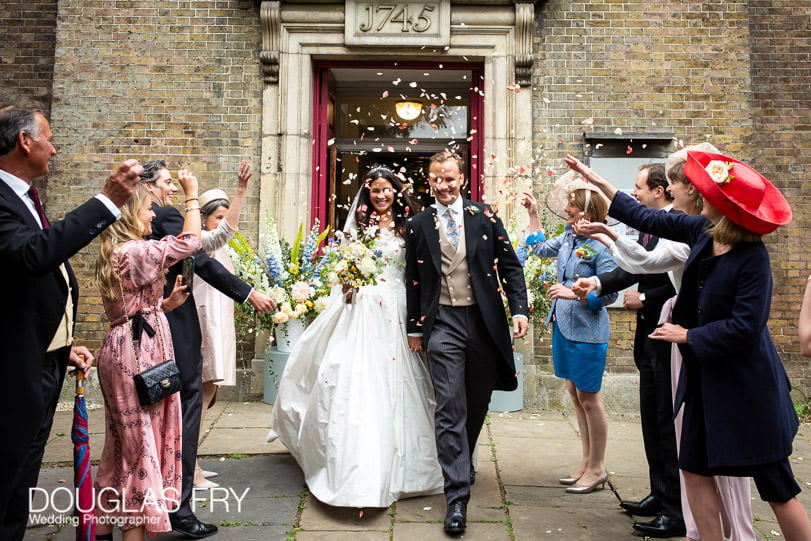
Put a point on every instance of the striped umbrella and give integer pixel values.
(82, 477)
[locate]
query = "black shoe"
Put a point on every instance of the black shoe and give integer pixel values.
(472, 476)
(648, 507)
(455, 518)
(191, 527)
(661, 526)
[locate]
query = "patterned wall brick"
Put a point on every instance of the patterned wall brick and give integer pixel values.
(178, 80)
(638, 66)
(27, 49)
(781, 77)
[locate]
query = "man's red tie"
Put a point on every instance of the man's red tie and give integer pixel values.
(34, 195)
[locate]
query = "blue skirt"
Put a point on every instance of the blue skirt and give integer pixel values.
(580, 362)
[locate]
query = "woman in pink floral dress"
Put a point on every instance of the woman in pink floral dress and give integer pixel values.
(139, 474)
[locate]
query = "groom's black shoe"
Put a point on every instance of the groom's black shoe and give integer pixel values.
(190, 526)
(648, 507)
(455, 518)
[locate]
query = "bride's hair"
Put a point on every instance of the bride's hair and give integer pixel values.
(402, 208)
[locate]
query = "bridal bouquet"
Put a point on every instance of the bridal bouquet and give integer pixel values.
(352, 260)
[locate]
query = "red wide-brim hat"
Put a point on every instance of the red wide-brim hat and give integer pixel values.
(738, 191)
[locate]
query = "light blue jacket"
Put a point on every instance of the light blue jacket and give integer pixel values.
(577, 321)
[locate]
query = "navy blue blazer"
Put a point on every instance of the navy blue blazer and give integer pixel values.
(729, 357)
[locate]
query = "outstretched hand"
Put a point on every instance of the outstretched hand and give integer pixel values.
(595, 230)
(122, 182)
(188, 182)
(582, 287)
(243, 175)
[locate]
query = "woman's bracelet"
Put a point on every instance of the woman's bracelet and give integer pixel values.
(191, 199)
(192, 208)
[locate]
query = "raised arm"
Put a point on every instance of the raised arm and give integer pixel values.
(235, 207)
(191, 221)
(529, 202)
(589, 174)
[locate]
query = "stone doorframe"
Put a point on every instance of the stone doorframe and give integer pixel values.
(497, 33)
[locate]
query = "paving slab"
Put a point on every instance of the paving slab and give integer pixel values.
(520, 456)
(476, 531)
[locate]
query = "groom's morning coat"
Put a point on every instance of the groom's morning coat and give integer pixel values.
(490, 256)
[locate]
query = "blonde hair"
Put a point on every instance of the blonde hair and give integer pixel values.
(725, 231)
(597, 206)
(127, 228)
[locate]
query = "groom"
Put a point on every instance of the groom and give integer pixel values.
(456, 252)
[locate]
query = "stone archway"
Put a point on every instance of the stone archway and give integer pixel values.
(499, 35)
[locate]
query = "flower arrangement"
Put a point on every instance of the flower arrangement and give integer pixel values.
(352, 260)
(288, 273)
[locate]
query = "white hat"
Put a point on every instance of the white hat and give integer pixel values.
(561, 191)
(212, 195)
(680, 156)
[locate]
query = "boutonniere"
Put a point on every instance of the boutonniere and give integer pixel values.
(585, 252)
(473, 210)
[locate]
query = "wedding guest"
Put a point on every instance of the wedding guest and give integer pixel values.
(38, 333)
(457, 250)
(669, 256)
(580, 331)
(220, 218)
(739, 419)
(139, 474)
(805, 321)
(185, 327)
(652, 359)
(355, 406)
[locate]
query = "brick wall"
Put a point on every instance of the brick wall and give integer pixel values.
(178, 80)
(639, 66)
(27, 55)
(27, 49)
(781, 140)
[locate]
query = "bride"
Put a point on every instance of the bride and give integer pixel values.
(355, 405)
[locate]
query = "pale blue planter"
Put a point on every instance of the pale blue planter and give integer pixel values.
(505, 401)
(275, 362)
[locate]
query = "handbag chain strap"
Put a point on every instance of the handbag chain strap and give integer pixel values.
(129, 321)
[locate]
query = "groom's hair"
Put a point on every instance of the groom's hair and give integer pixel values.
(445, 155)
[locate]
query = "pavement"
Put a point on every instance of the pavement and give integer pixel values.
(516, 497)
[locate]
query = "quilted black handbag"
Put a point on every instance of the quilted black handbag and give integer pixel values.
(156, 383)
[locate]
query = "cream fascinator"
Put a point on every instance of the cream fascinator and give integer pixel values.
(561, 192)
(680, 156)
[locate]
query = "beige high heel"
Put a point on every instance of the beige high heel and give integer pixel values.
(578, 489)
(568, 480)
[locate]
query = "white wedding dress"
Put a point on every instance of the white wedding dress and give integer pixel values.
(355, 405)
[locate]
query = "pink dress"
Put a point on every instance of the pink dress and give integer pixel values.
(139, 473)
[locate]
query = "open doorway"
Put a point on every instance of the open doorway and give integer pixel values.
(396, 115)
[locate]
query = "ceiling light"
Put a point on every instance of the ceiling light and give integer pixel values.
(407, 109)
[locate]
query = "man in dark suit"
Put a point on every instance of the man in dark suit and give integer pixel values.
(40, 298)
(186, 334)
(652, 358)
(456, 252)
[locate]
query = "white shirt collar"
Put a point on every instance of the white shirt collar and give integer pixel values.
(18, 185)
(441, 209)
(668, 208)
